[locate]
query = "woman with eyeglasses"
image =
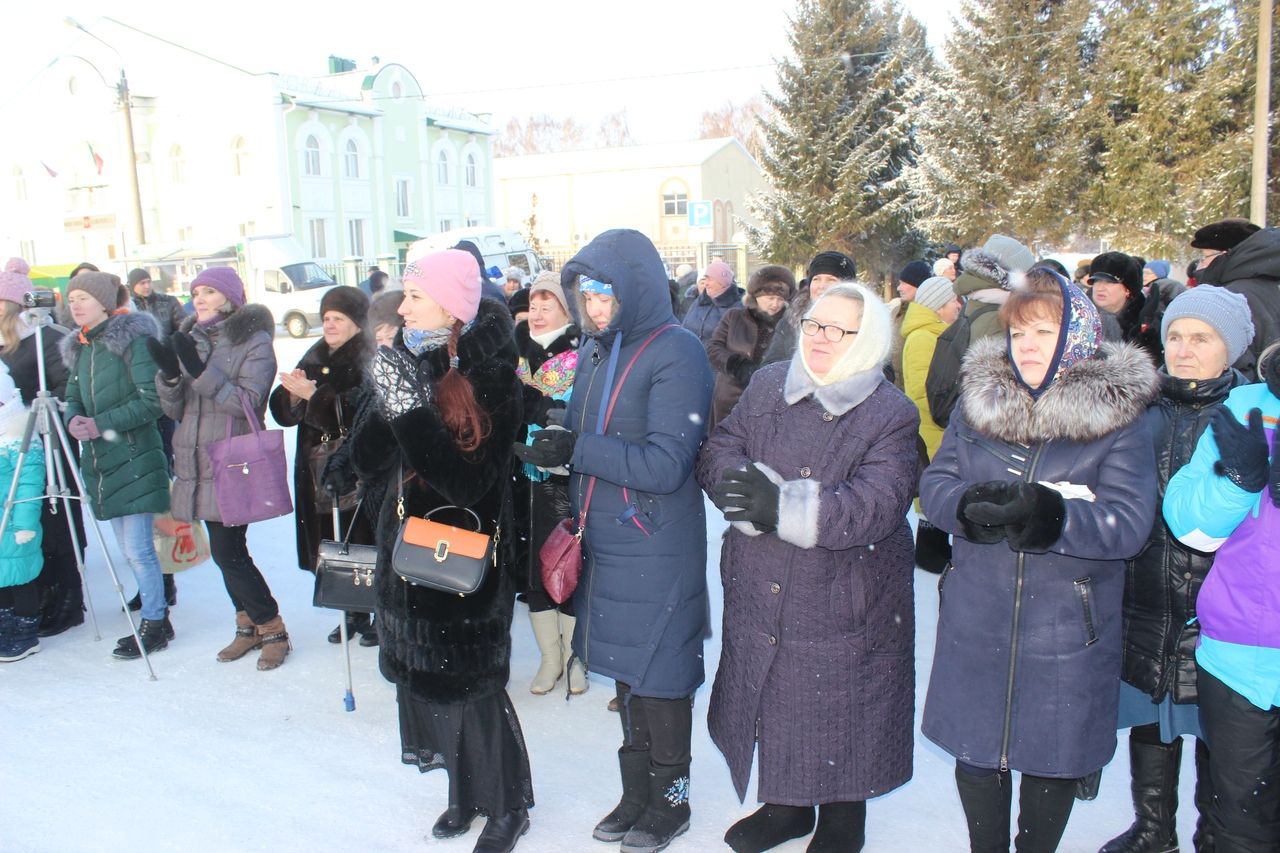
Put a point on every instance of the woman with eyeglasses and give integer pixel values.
(815, 468)
(1115, 285)
(1046, 480)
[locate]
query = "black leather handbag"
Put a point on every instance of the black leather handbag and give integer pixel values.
(344, 572)
(440, 556)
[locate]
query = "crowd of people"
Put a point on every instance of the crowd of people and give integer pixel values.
(1091, 457)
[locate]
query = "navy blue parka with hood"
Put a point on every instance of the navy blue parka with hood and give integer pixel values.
(642, 598)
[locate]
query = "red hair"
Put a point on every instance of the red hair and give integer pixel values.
(462, 414)
(1040, 298)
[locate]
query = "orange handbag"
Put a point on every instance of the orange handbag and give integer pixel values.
(440, 556)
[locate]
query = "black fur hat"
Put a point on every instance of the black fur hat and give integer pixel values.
(1120, 266)
(837, 264)
(1223, 235)
(349, 301)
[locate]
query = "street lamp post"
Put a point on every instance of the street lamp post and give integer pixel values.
(126, 108)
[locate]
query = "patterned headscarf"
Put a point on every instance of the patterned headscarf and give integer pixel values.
(1078, 338)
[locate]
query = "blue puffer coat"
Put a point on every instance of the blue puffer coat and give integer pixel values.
(642, 599)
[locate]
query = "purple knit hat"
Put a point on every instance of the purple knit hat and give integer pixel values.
(15, 280)
(225, 281)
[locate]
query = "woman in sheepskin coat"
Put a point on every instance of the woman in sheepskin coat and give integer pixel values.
(1046, 479)
(439, 427)
(222, 353)
(817, 666)
(736, 349)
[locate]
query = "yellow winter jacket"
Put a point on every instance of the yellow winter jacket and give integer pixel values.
(920, 330)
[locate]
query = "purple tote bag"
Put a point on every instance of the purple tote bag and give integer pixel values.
(250, 478)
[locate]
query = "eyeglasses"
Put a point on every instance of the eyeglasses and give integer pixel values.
(1104, 277)
(831, 332)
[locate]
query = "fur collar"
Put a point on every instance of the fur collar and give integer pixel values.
(242, 324)
(119, 332)
(1091, 399)
(343, 367)
(837, 398)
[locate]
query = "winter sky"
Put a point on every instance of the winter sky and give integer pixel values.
(664, 61)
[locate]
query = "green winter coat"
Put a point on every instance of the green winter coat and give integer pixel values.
(113, 380)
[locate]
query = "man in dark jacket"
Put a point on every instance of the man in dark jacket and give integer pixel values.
(717, 293)
(488, 290)
(166, 309)
(1251, 267)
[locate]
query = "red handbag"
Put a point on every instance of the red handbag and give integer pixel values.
(561, 554)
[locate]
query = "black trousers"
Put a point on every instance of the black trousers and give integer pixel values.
(1245, 743)
(23, 598)
(245, 584)
(663, 727)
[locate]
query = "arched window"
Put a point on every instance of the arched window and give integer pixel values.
(397, 91)
(177, 165)
(471, 170)
(442, 168)
(311, 157)
(351, 160)
(239, 158)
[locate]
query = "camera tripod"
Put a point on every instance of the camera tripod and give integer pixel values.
(44, 420)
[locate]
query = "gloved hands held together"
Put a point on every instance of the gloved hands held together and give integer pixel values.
(185, 347)
(1029, 515)
(164, 357)
(748, 495)
(551, 448)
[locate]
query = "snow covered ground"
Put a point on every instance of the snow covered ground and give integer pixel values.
(221, 757)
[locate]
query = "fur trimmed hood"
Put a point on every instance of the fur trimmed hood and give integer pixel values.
(983, 270)
(1089, 400)
(118, 334)
(242, 324)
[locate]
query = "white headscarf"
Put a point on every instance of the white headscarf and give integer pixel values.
(870, 349)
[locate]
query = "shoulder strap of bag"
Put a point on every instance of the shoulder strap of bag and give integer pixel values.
(606, 413)
(249, 414)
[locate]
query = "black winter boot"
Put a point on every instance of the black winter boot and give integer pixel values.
(842, 828)
(65, 610)
(933, 547)
(155, 634)
(667, 814)
(768, 827)
(454, 821)
(501, 833)
(1154, 783)
(986, 801)
(170, 595)
(633, 765)
(356, 624)
(1043, 808)
(1203, 840)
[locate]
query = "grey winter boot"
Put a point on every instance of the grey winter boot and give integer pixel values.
(667, 814)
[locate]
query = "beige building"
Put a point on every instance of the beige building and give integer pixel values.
(575, 195)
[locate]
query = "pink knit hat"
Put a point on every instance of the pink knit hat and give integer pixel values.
(451, 278)
(720, 271)
(14, 281)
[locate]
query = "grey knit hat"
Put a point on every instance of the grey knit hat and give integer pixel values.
(934, 292)
(102, 286)
(549, 282)
(1226, 311)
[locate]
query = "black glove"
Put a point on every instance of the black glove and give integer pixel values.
(339, 478)
(747, 496)
(551, 448)
(740, 368)
(1269, 369)
(185, 346)
(1242, 451)
(545, 406)
(1032, 516)
(993, 492)
(164, 357)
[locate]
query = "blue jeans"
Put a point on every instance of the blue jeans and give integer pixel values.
(133, 535)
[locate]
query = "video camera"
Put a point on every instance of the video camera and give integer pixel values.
(40, 298)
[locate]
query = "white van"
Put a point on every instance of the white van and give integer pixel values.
(501, 248)
(278, 274)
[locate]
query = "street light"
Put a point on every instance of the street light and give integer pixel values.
(126, 107)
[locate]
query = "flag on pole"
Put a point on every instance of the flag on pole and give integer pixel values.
(52, 173)
(97, 161)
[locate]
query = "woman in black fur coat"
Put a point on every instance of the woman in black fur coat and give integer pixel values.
(319, 397)
(439, 430)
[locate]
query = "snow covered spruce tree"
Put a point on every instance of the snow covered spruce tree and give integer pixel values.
(840, 138)
(1169, 119)
(1000, 147)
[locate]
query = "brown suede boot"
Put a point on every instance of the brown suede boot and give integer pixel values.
(275, 644)
(246, 639)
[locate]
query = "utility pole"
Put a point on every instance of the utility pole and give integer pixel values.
(1261, 116)
(126, 107)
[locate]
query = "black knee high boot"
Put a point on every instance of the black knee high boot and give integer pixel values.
(1043, 808)
(670, 729)
(986, 800)
(1203, 840)
(1154, 769)
(842, 828)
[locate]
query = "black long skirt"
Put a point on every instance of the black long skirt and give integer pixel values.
(477, 741)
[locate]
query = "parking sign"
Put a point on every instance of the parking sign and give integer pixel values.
(699, 214)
